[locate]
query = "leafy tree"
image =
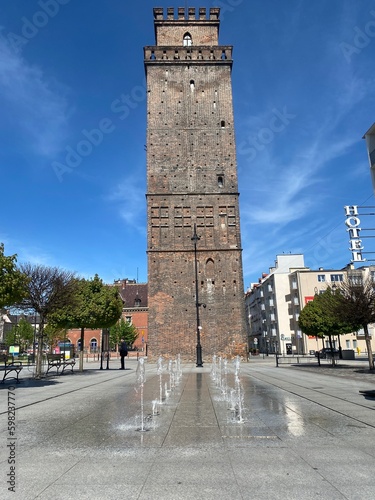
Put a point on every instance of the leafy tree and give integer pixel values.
(48, 290)
(356, 303)
(54, 334)
(13, 283)
(319, 318)
(122, 330)
(21, 334)
(95, 306)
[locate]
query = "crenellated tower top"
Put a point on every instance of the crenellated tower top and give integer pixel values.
(187, 34)
(214, 14)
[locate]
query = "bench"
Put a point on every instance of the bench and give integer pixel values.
(296, 360)
(57, 361)
(8, 367)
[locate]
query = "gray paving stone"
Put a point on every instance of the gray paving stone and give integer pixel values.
(304, 434)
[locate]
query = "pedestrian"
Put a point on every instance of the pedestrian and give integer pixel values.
(123, 350)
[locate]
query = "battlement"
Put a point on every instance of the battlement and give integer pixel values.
(189, 14)
(220, 54)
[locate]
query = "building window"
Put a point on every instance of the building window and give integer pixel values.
(220, 181)
(137, 302)
(128, 319)
(321, 278)
(93, 345)
(187, 40)
(337, 277)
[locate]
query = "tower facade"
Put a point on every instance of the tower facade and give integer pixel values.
(192, 185)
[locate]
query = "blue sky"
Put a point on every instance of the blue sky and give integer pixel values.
(303, 84)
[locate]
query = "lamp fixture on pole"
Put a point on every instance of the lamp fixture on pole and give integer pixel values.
(195, 238)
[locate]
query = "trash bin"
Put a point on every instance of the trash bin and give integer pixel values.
(348, 354)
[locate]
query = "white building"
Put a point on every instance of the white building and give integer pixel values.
(268, 306)
(274, 303)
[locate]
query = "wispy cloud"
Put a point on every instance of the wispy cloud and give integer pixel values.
(129, 196)
(35, 103)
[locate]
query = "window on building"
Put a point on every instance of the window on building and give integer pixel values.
(321, 278)
(337, 277)
(187, 40)
(93, 345)
(137, 302)
(128, 319)
(347, 344)
(220, 181)
(355, 278)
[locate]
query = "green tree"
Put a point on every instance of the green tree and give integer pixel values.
(319, 318)
(13, 283)
(48, 289)
(21, 334)
(122, 330)
(95, 305)
(356, 303)
(54, 334)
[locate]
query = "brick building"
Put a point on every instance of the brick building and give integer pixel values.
(135, 311)
(192, 183)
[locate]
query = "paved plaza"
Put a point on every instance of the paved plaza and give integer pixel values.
(299, 433)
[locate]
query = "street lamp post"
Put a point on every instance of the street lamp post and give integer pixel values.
(195, 238)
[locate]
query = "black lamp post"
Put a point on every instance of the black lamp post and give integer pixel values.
(334, 290)
(196, 238)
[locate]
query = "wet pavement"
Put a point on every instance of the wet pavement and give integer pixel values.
(262, 432)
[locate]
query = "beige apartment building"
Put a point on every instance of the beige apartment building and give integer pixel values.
(274, 303)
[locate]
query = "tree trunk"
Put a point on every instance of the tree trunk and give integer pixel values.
(369, 348)
(39, 354)
(331, 347)
(81, 351)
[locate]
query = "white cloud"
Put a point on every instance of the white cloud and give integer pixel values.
(129, 195)
(32, 102)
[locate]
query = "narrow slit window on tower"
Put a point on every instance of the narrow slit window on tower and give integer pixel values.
(222, 123)
(187, 40)
(220, 181)
(192, 85)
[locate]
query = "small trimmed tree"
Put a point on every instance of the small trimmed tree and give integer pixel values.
(21, 334)
(356, 303)
(95, 305)
(122, 330)
(48, 289)
(319, 318)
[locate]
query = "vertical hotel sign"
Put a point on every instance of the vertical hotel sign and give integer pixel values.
(353, 227)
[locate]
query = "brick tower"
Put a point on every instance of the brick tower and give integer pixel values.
(192, 184)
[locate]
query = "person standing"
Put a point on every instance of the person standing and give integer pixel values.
(123, 350)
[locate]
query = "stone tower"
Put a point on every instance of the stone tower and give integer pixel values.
(192, 183)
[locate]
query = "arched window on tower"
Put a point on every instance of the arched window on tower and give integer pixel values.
(210, 269)
(187, 40)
